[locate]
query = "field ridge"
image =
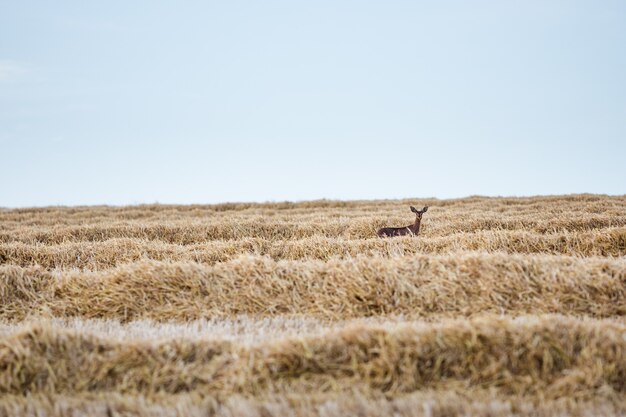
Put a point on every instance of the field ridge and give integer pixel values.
(500, 307)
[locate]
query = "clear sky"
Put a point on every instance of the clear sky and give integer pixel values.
(122, 102)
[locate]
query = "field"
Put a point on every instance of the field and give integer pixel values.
(500, 307)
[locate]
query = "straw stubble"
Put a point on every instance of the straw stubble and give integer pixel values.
(501, 307)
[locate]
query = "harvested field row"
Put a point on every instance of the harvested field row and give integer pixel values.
(441, 220)
(544, 357)
(115, 252)
(297, 309)
(461, 402)
(168, 210)
(188, 232)
(583, 203)
(419, 286)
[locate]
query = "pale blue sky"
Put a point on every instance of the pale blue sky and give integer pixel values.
(119, 102)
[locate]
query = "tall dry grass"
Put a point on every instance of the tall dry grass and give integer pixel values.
(545, 357)
(118, 251)
(350, 220)
(419, 286)
(299, 309)
(186, 232)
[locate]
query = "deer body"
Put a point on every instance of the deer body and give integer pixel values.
(411, 230)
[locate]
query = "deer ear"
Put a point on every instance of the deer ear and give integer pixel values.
(413, 209)
(424, 209)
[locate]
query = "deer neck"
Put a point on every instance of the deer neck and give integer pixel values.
(415, 227)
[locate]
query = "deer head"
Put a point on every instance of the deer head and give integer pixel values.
(418, 213)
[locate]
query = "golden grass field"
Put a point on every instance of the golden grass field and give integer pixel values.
(500, 307)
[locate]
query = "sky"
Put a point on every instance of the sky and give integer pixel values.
(136, 102)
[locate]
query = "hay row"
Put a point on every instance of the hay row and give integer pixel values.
(231, 228)
(441, 219)
(544, 357)
(570, 202)
(114, 252)
(141, 210)
(461, 402)
(419, 286)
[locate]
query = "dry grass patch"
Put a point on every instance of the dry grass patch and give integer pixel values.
(421, 286)
(539, 357)
(479, 403)
(299, 309)
(119, 251)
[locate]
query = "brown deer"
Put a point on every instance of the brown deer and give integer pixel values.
(411, 230)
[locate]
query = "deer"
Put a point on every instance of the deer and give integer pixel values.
(411, 230)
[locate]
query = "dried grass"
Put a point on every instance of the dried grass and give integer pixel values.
(420, 286)
(479, 403)
(245, 330)
(346, 220)
(541, 357)
(118, 251)
(138, 310)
